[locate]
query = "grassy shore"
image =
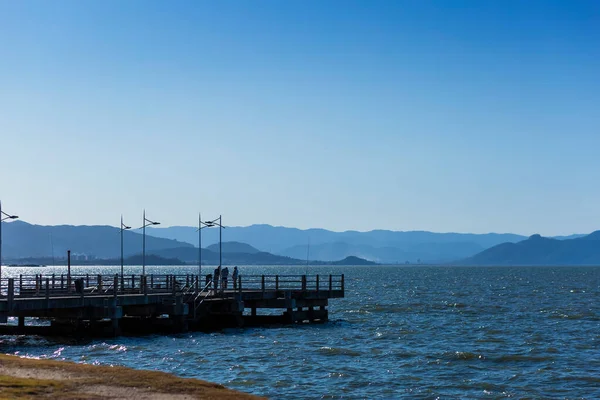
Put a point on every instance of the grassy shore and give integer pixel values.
(22, 378)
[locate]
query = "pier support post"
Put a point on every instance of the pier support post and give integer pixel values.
(69, 271)
(116, 313)
(21, 323)
(290, 309)
(47, 293)
(10, 296)
(116, 330)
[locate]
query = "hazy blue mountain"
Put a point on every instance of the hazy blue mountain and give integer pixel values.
(430, 252)
(20, 239)
(538, 250)
(233, 247)
(211, 257)
(378, 245)
(277, 238)
(574, 236)
(353, 261)
(268, 244)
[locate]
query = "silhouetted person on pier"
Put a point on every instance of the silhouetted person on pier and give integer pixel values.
(217, 278)
(225, 276)
(234, 277)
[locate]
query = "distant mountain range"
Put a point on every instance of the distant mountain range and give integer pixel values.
(25, 243)
(268, 245)
(381, 246)
(538, 250)
(21, 239)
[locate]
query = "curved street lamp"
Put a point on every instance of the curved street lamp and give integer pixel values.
(201, 225)
(221, 227)
(3, 217)
(147, 222)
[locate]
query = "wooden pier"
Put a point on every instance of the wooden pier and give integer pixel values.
(139, 304)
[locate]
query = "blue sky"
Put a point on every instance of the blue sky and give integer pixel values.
(464, 116)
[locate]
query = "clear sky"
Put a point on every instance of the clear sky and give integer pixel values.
(464, 116)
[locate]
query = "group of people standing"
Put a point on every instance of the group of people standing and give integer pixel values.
(221, 277)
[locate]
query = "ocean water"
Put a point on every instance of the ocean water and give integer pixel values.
(401, 332)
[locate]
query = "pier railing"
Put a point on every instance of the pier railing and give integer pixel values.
(190, 286)
(293, 282)
(90, 284)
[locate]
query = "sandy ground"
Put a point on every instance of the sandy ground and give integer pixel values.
(22, 378)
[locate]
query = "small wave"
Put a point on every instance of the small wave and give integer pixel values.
(522, 358)
(590, 379)
(462, 356)
(243, 382)
(336, 351)
(359, 311)
(393, 309)
(466, 355)
(490, 340)
(569, 316)
(118, 348)
(456, 305)
(404, 355)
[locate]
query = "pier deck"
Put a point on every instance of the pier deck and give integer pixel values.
(138, 304)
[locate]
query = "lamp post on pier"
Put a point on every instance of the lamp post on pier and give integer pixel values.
(201, 225)
(3, 216)
(123, 228)
(221, 227)
(147, 222)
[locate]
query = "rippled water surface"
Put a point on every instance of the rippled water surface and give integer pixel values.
(401, 332)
